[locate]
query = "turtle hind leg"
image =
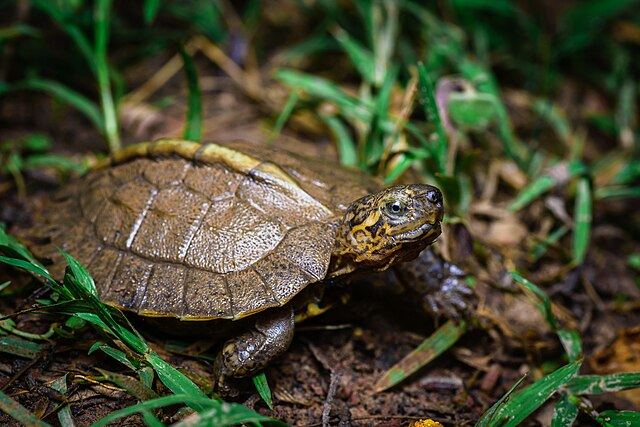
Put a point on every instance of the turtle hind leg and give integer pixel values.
(250, 352)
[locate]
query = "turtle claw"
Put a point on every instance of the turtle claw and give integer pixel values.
(440, 284)
(455, 299)
(223, 385)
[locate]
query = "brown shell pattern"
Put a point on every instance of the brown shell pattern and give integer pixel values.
(224, 233)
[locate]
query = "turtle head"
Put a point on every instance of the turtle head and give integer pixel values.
(393, 225)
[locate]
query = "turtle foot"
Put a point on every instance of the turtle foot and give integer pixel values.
(247, 354)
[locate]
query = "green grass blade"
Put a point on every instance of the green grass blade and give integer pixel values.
(629, 172)
(307, 48)
(544, 183)
(102, 16)
(616, 192)
(105, 321)
(283, 116)
(619, 418)
(570, 339)
(133, 386)
(543, 303)
(64, 413)
(83, 277)
(19, 412)
(427, 99)
(150, 9)
(214, 413)
(346, 146)
(374, 143)
(556, 118)
(14, 31)
(521, 405)
(26, 266)
(541, 248)
(229, 414)
(531, 192)
(401, 167)
(571, 343)
(54, 10)
(175, 399)
(487, 417)
(582, 220)
(440, 341)
(80, 285)
(193, 125)
(361, 58)
(384, 35)
(174, 379)
(261, 384)
(19, 347)
(11, 247)
(117, 354)
(564, 413)
(61, 163)
(326, 90)
(65, 95)
(150, 420)
(512, 146)
(593, 384)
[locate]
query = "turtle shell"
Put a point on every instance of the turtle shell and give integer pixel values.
(203, 231)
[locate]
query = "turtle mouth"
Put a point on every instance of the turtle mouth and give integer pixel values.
(426, 231)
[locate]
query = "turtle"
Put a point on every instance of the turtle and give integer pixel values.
(235, 233)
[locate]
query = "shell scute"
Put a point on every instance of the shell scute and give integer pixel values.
(130, 279)
(164, 292)
(283, 277)
(169, 225)
(213, 181)
(250, 293)
(206, 295)
(122, 213)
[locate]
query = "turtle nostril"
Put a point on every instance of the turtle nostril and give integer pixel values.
(434, 196)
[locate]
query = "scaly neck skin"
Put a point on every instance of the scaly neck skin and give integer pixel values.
(351, 254)
(342, 258)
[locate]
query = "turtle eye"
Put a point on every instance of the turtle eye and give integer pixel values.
(395, 209)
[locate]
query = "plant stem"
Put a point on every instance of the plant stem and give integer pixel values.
(102, 19)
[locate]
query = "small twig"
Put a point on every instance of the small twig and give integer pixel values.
(162, 76)
(591, 291)
(98, 383)
(407, 108)
(333, 383)
(338, 327)
(326, 407)
(28, 335)
(36, 308)
(236, 73)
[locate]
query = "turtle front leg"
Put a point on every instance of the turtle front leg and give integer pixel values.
(440, 284)
(252, 351)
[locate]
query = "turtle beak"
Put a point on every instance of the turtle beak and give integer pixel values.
(427, 202)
